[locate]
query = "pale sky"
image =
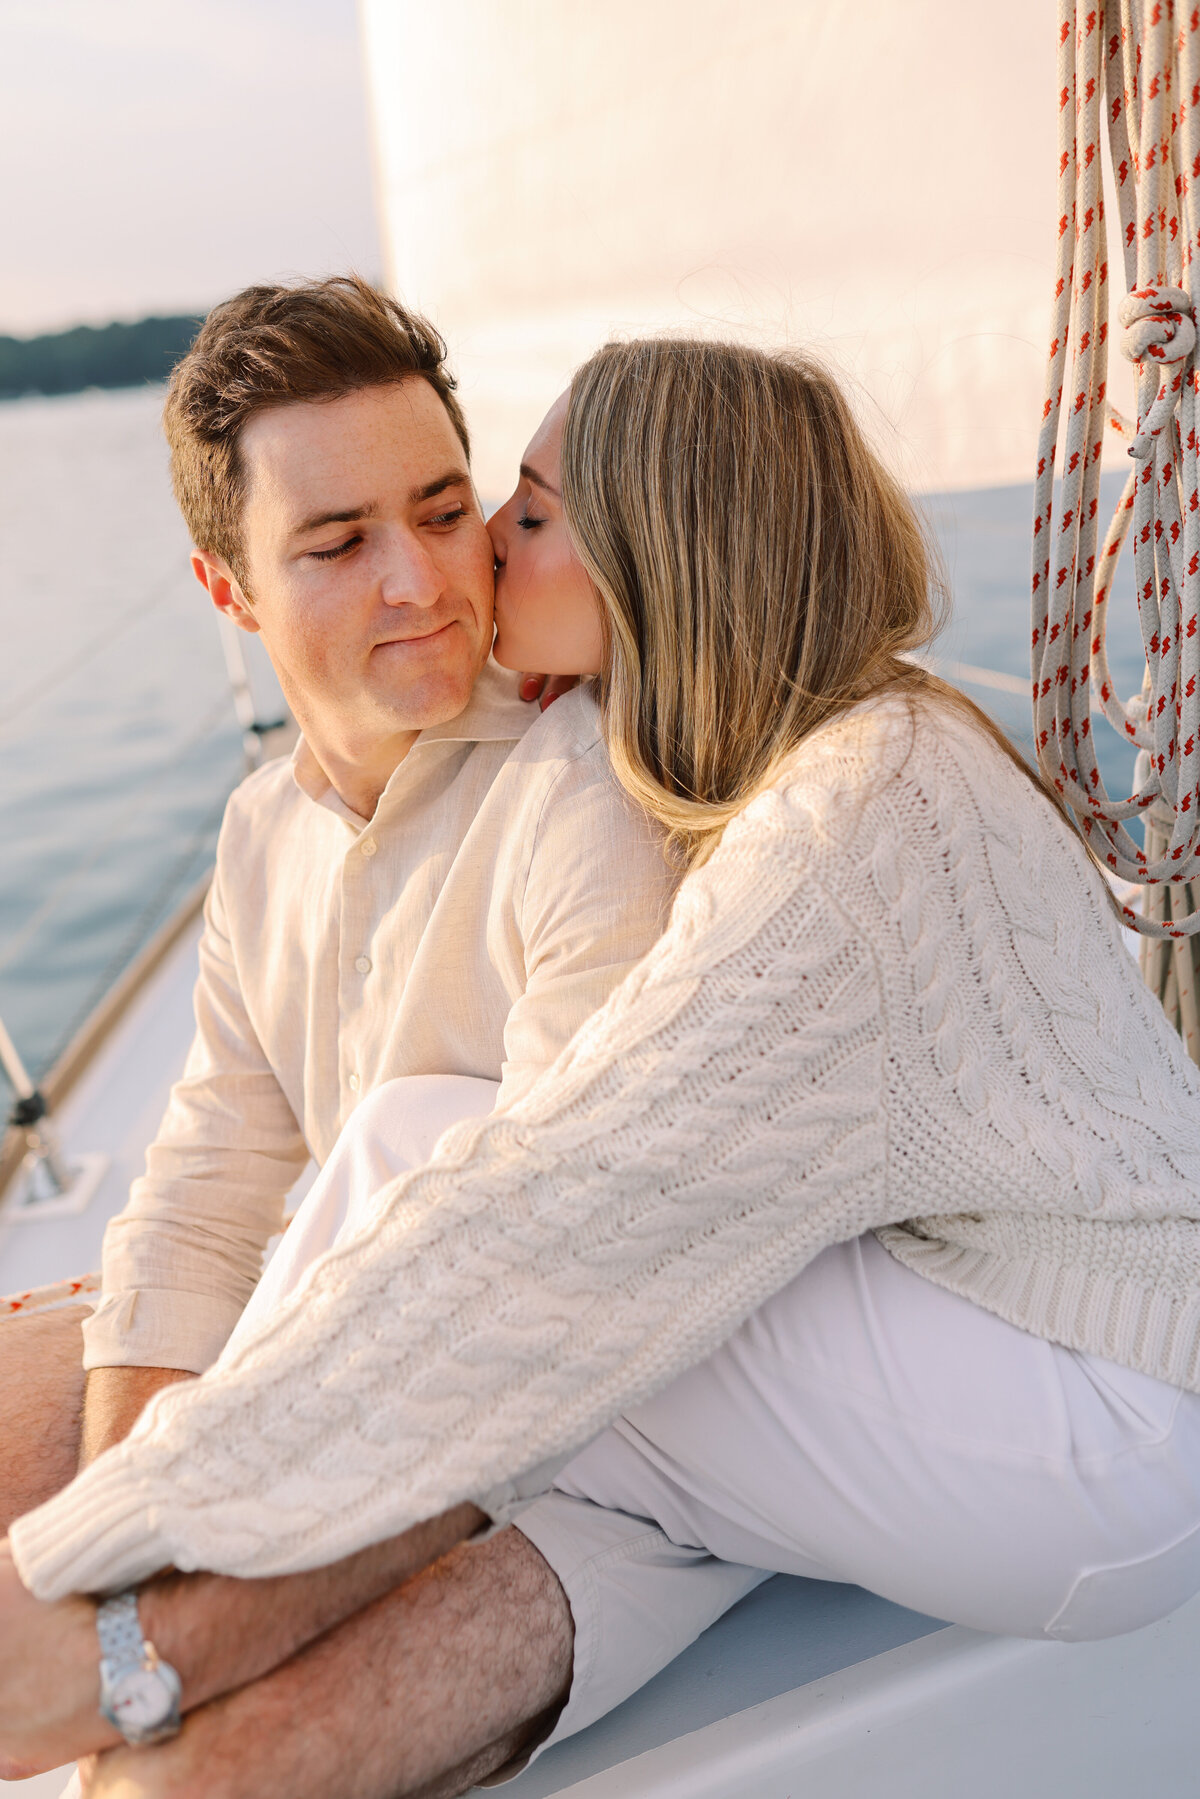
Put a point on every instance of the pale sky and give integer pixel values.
(158, 154)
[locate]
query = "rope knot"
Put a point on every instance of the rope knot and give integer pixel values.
(1160, 325)
(1160, 330)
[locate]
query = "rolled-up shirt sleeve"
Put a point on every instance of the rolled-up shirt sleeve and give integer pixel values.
(183, 1257)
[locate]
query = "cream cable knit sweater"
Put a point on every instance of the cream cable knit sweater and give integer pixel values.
(895, 999)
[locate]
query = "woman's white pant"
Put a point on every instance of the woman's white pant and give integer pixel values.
(862, 1426)
(395, 1128)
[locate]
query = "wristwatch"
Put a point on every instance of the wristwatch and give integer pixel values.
(139, 1692)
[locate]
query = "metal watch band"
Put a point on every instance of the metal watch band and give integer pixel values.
(139, 1693)
(120, 1630)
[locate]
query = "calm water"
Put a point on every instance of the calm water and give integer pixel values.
(985, 538)
(117, 738)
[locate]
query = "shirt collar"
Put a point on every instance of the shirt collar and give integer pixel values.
(495, 713)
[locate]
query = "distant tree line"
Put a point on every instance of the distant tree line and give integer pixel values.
(65, 362)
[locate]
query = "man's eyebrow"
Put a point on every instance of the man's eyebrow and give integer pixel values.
(455, 478)
(347, 517)
(350, 514)
(531, 474)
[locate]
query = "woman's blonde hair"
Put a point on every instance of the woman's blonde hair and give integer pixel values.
(760, 571)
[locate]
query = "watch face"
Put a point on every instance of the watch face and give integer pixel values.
(140, 1700)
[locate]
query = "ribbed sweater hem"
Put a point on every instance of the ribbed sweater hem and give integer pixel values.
(1147, 1328)
(120, 1537)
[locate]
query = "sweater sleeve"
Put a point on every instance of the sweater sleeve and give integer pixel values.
(707, 1133)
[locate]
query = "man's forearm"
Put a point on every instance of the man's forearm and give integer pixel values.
(430, 1689)
(114, 1401)
(219, 1634)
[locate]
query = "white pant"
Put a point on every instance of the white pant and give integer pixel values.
(391, 1130)
(862, 1426)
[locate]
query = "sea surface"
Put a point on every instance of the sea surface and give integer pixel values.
(118, 745)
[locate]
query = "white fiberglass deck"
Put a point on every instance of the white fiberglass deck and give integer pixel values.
(948, 1714)
(114, 1109)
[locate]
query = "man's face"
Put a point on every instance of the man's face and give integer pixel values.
(369, 567)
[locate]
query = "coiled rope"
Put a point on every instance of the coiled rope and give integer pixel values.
(1132, 66)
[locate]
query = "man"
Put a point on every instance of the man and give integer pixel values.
(424, 889)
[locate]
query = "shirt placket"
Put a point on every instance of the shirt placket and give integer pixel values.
(369, 870)
(359, 880)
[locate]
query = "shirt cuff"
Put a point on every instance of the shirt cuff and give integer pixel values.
(154, 1327)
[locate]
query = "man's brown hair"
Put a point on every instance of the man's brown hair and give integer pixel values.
(271, 346)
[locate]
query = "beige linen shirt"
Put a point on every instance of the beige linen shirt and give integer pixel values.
(503, 888)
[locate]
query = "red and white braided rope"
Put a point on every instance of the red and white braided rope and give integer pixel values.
(56, 1298)
(1135, 66)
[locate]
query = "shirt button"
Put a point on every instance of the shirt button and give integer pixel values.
(363, 965)
(354, 1083)
(369, 846)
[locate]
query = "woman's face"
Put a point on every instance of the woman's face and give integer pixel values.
(547, 611)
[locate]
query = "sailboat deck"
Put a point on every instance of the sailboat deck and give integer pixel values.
(113, 1110)
(948, 1712)
(783, 1636)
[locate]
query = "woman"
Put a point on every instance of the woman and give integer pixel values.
(867, 1206)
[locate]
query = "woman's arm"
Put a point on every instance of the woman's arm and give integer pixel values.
(706, 1134)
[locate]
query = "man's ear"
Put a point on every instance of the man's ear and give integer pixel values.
(223, 589)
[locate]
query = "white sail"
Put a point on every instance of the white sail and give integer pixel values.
(875, 181)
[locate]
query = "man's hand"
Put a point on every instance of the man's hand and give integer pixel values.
(115, 1400)
(49, 1654)
(49, 1678)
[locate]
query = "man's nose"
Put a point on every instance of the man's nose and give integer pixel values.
(411, 577)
